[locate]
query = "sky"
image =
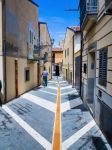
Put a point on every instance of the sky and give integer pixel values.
(53, 13)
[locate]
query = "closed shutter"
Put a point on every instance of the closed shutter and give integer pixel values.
(103, 67)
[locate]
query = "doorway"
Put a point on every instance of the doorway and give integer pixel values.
(16, 77)
(91, 81)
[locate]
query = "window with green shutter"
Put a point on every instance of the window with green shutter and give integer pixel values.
(103, 58)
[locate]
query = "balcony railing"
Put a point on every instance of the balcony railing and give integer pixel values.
(34, 54)
(108, 6)
(87, 7)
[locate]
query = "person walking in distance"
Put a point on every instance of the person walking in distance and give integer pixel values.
(45, 75)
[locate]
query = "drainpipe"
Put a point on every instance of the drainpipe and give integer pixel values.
(81, 59)
(73, 63)
(4, 47)
(39, 57)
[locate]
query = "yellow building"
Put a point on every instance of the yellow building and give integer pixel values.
(96, 26)
(57, 59)
(19, 23)
(70, 54)
(45, 50)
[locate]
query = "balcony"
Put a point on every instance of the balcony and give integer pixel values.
(88, 13)
(108, 6)
(33, 55)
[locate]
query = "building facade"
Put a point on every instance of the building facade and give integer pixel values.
(71, 56)
(18, 38)
(96, 27)
(45, 43)
(57, 58)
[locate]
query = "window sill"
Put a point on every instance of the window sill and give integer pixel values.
(102, 87)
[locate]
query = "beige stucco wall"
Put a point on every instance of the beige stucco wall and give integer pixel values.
(68, 45)
(23, 86)
(101, 33)
(18, 45)
(58, 57)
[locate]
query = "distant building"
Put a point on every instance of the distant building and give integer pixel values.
(57, 55)
(45, 43)
(18, 39)
(71, 56)
(57, 58)
(96, 27)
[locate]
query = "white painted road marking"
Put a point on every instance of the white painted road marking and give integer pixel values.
(46, 144)
(41, 102)
(75, 137)
(67, 87)
(51, 87)
(47, 92)
(70, 92)
(70, 104)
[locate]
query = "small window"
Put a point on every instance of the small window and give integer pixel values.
(65, 53)
(30, 36)
(103, 54)
(27, 74)
(68, 52)
(85, 68)
(49, 69)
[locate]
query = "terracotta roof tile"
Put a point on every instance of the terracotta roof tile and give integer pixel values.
(57, 49)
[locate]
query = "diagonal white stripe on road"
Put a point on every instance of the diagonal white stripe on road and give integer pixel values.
(46, 144)
(51, 87)
(71, 92)
(70, 104)
(67, 87)
(41, 102)
(74, 138)
(47, 92)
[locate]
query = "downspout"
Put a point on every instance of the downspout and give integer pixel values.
(39, 57)
(4, 47)
(73, 63)
(81, 49)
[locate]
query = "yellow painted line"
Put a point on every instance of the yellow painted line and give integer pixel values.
(57, 127)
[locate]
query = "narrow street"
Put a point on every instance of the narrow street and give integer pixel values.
(43, 117)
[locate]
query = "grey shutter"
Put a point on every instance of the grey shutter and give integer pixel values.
(103, 67)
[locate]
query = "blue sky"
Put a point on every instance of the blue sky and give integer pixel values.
(52, 12)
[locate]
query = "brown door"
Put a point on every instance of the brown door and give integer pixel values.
(16, 77)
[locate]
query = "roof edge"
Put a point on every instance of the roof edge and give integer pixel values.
(33, 3)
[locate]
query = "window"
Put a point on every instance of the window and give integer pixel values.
(49, 69)
(65, 53)
(85, 68)
(27, 74)
(30, 36)
(68, 52)
(103, 54)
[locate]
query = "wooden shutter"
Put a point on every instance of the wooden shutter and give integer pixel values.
(103, 67)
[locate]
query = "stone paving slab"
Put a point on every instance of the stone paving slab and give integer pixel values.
(13, 137)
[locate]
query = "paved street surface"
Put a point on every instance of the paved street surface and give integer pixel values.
(30, 122)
